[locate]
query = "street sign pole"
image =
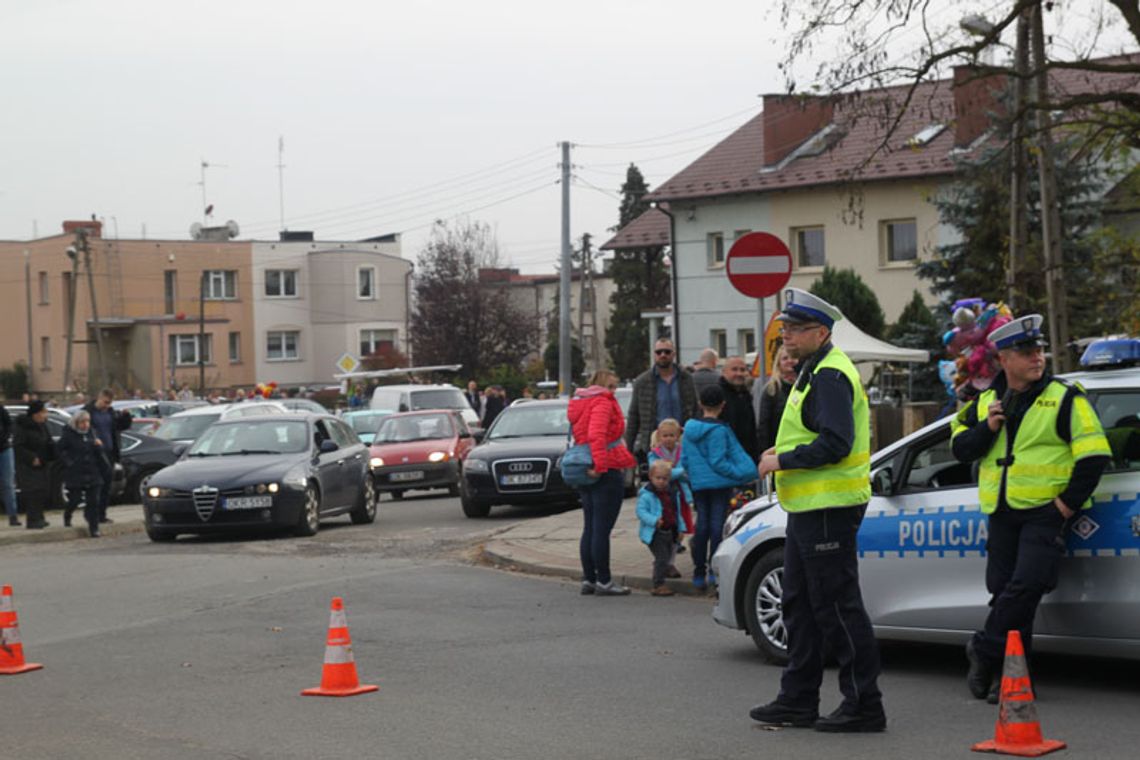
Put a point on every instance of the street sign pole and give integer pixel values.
(759, 265)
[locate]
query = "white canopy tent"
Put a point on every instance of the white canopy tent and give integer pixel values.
(861, 347)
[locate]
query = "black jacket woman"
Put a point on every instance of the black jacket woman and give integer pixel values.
(34, 454)
(773, 398)
(80, 451)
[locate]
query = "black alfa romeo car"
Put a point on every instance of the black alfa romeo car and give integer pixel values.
(517, 462)
(275, 471)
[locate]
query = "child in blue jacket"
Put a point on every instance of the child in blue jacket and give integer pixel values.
(659, 511)
(716, 464)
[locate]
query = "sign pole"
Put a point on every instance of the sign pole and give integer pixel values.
(761, 353)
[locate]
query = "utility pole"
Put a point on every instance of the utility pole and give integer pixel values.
(564, 353)
(85, 246)
(28, 297)
(72, 285)
(281, 177)
(1050, 212)
(587, 321)
(202, 336)
(1019, 184)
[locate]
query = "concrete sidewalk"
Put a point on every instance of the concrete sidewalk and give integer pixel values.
(128, 518)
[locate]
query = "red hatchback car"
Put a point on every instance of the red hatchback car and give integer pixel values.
(422, 449)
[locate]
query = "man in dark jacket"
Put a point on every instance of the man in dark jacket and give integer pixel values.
(739, 411)
(495, 402)
(34, 454)
(7, 468)
(661, 392)
(107, 424)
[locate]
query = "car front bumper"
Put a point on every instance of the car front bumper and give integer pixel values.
(430, 475)
(481, 486)
(181, 514)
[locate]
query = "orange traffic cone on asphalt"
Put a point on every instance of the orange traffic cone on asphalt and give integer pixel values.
(1017, 732)
(338, 678)
(11, 650)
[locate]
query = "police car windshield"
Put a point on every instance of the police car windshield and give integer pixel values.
(528, 420)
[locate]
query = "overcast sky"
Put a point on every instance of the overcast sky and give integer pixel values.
(392, 113)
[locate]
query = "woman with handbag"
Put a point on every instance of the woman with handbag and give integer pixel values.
(596, 420)
(79, 450)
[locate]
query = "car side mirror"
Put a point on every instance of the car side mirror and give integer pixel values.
(179, 449)
(478, 434)
(881, 484)
(328, 446)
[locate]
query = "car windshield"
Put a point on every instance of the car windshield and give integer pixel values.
(365, 423)
(528, 419)
(253, 437)
(420, 427)
(444, 398)
(186, 428)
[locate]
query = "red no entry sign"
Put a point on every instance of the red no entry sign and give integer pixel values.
(759, 264)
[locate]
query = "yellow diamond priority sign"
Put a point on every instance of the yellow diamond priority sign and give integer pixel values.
(347, 363)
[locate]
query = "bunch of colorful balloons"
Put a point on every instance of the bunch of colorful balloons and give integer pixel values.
(970, 346)
(265, 390)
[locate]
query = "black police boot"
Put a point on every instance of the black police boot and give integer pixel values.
(779, 714)
(853, 720)
(980, 676)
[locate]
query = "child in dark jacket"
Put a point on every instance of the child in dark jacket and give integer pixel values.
(716, 464)
(665, 443)
(658, 510)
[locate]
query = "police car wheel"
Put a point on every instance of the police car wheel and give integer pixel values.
(762, 603)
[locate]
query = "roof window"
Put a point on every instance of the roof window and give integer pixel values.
(925, 135)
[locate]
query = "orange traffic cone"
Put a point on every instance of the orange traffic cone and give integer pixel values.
(338, 678)
(1017, 731)
(11, 650)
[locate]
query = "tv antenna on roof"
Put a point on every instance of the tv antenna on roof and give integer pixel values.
(207, 207)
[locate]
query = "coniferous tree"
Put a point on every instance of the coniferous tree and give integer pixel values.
(845, 289)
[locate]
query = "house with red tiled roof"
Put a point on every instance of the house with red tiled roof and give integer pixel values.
(818, 173)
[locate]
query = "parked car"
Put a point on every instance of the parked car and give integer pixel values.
(285, 471)
(142, 456)
(302, 405)
(145, 425)
(922, 547)
(366, 421)
(185, 427)
(411, 398)
(420, 450)
(517, 462)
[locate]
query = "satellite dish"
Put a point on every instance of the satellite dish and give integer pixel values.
(196, 231)
(232, 228)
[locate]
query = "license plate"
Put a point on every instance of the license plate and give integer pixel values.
(248, 502)
(521, 480)
(410, 475)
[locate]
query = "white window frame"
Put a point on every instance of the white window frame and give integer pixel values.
(796, 237)
(221, 285)
(718, 340)
(282, 338)
(284, 276)
(371, 295)
(373, 341)
(742, 336)
(886, 229)
(176, 342)
(714, 250)
(234, 345)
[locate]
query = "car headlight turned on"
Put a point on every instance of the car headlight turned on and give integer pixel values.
(438, 456)
(375, 462)
(155, 492)
(737, 519)
(476, 465)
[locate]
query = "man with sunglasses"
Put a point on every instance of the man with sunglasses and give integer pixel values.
(662, 392)
(823, 481)
(1042, 451)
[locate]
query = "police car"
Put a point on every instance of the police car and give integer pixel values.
(922, 543)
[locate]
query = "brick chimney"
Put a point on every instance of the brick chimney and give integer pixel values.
(976, 101)
(789, 120)
(94, 228)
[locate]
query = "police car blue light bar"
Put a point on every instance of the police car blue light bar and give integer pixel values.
(1111, 352)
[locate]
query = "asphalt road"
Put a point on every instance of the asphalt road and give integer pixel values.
(200, 649)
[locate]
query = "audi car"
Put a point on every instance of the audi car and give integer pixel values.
(284, 471)
(922, 546)
(517, 462)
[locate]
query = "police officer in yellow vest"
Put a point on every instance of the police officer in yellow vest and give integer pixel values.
(1042, 451)
(823, 480)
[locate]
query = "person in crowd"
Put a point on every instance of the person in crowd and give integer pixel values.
(474, 398)
(80, 451)
(658, 511)
(107, 424)
(823, 480)
(596, 420)
(35, 452)
(527, 393)
(666, 445)
(715, 463)
(8, 469)
(494, 403)
(662, 392)
(739, 412)
(773, 397)
(704, 370)
(1042, 451)
(184, 393)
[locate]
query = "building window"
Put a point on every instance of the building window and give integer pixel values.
(372, 341)
(281, 345)
(235, 348)
(169, 290)
(715, 243)
(45, 353)
(718, 340)
(739, 234)
(281, 283)
(809, 251)
(184, 349)
(44, 294)
(900, 240)
(221, 284)
(745, 341)
(366, 283)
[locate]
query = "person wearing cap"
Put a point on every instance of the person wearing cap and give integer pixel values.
(821, 461)
(34, 454)
(1041, 451)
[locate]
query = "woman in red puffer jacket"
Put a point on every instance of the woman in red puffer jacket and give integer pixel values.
(596, 419)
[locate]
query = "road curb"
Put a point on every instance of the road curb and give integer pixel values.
(54, 534)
